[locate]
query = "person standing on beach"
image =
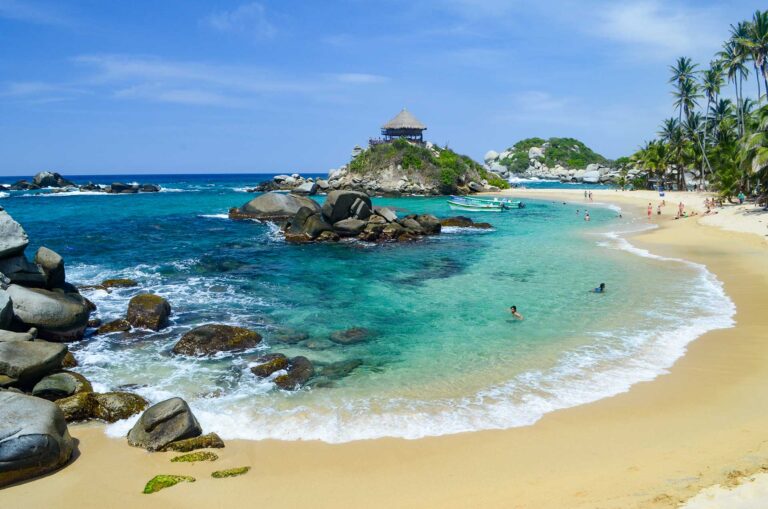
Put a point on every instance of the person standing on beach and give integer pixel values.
(585, 194)
(590, 196)
(658, 210)
(513, 310)
(680, 209)
(650, 210)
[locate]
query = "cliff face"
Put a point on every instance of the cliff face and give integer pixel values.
(402, 167)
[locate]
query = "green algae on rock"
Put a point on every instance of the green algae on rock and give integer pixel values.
(195, 456)
(230, 472)
(119, 283)
(209, 441)
(160, 482)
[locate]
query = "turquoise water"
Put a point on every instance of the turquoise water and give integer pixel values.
(444, 355)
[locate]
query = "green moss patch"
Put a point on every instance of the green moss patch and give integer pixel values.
(160, 482)
(195, 456)
(230, 472)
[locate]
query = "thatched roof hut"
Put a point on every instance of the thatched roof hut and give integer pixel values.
(404, 125)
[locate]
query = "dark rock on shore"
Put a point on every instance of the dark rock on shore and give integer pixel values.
(273, 206)
(211, 339)
(163, 423)
(108, 407)
(300, 370)
(61, 385)
(209, 441)
(341, 205)
(33, 437)
(351, 336)
(268, 364)
(148, 311)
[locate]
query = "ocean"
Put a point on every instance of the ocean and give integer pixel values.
(444, 355)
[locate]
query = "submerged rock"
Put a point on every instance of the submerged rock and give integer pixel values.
(33, 437)
(351, 336)
(119, 325)
(463, 222)
(57, 316)
(290, 336)
(268, 364)
(119, 283)
(148, 311)
(211, 339)
(300, 370)
(209, 441)
(340, 369)
(163, 423)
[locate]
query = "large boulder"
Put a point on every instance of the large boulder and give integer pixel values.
(274, 206)
(51, 179)
(116, 406)
(52, 265)
(349, 227)
(20, 271)
(300, 370)
(429, 223)
(29, 361)
(211, 339)
(6, 310)
(148, 311)
(307, 188)
(61, 385)
(163, 423)
(13, 238)
(345, 204)
(57, 316)
(33, 437)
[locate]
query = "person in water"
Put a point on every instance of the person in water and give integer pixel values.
(513, 310)
(599, 289)
(586, 215)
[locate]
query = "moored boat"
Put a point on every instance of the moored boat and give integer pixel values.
(483, 204)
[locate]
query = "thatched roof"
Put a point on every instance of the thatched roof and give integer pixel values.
(404, 120)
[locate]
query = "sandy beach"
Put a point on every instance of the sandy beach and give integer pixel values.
(655, 446)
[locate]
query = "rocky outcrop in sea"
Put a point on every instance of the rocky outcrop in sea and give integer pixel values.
(344, 214)
(55, 183)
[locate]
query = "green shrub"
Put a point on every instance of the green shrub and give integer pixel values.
(498, 182)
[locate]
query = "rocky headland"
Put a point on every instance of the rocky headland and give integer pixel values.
(344, 214)
(397, 168)
(560, 159)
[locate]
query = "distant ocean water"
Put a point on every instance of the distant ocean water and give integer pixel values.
(444, 355)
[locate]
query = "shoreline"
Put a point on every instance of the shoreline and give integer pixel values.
(653, 446)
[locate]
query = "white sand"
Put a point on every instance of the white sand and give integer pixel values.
(751, 494)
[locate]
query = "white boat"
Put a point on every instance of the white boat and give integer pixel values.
(483, 204)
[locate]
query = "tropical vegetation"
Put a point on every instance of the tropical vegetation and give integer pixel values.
(718, 136)
(567, 152)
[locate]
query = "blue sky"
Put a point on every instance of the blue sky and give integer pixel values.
(188, 86)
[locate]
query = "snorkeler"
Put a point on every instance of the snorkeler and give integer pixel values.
(599, 289)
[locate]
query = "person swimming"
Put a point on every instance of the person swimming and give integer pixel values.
(599, 289)
(513, 310)
(586, 215)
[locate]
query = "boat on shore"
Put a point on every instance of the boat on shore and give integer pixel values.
(483, 204)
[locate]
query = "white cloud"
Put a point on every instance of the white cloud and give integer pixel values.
(31, 12)
(249, 20)
(205, 84)
(661, 30)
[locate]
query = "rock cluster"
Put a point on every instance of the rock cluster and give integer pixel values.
(294, 183)
(57, 183)
(594, 173)
(37, 395)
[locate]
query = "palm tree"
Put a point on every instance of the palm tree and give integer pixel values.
(683, 70)
(756, 41)
(732, 58)
(712, 82)
(754, 149)
(686, 96)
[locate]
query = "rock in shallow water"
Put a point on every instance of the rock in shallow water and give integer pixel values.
(119, 325)
(274, 206)
(148, 311)
(163, 423)
(300, 370)
(351, 336)
(33, 437)
(211, 339)
(268, 364)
